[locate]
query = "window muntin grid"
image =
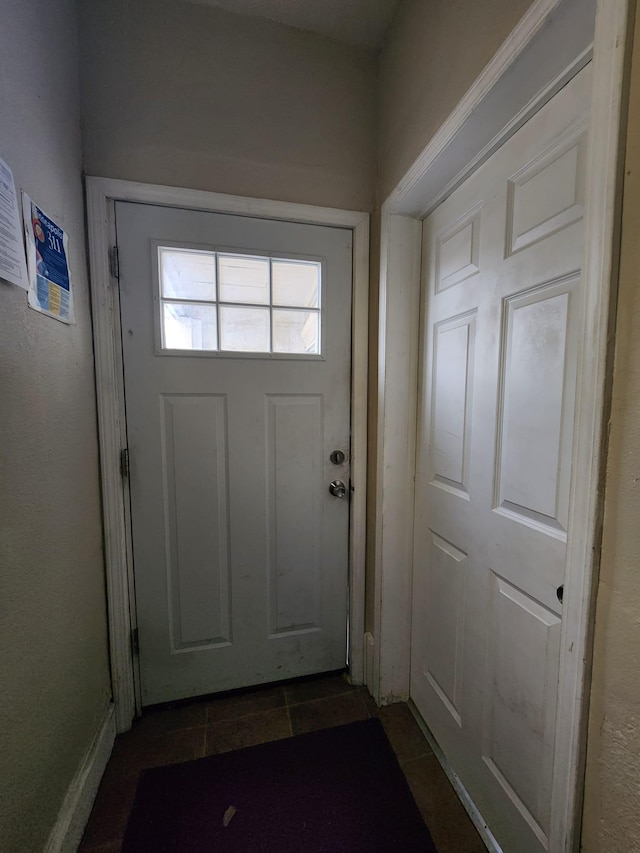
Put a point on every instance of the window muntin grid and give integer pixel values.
(217, 301)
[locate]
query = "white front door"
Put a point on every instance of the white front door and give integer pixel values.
(236, 348)
(501, 324)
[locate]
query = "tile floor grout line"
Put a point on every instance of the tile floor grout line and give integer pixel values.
(403, 761)
(320, 698)
(176, 730)
(364, 705)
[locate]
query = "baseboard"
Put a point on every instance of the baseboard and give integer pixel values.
(76, 808)
(463, 795)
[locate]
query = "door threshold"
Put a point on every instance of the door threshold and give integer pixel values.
(250, 688)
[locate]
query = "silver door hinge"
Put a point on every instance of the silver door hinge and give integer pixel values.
(135, 645)
(114, 263)
(124, 462)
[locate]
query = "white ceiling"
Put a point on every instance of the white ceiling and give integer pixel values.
(357, 22)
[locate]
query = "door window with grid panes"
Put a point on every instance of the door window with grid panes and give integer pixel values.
(219, 302)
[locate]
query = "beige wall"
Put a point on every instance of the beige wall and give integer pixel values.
(434, 52)
(54, 681)
(190, 95)
(612, 805)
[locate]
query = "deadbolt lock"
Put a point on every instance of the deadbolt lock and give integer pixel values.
(337, 457)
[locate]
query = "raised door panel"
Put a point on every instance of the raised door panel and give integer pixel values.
(451, 403)
(546, 195)
(536, 406)
(520, 700)
(443, 618)
(196, 512)
(294, 512)
(457, 251)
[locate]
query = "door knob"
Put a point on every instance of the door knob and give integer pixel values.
(338, 489)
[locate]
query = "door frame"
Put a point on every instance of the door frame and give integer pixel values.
(101, 195)
(551, 43)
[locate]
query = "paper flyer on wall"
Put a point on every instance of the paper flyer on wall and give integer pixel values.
(47, 253)
(12, 261)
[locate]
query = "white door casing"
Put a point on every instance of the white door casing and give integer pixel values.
(551, 43)
(501, 333)
(240, 553)
(101, 193)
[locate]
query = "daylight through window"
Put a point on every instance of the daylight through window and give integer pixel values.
(223, 302)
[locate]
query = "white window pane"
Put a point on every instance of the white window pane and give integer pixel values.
(296, 331)
(244, 329)
(187, 274)
(189, 327)
(296, 283)
(244, 279)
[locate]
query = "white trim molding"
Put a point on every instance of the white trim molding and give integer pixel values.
(554, 40)
(101, 193)
(400, 254)
(605, 162)
(551, 43)
(78, 802)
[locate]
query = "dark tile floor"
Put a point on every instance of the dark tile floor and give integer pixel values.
(205, 727)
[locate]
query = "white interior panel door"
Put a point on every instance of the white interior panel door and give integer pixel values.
(236, 346)
(501, 323)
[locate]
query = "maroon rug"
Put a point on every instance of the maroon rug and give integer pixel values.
(339, 790)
